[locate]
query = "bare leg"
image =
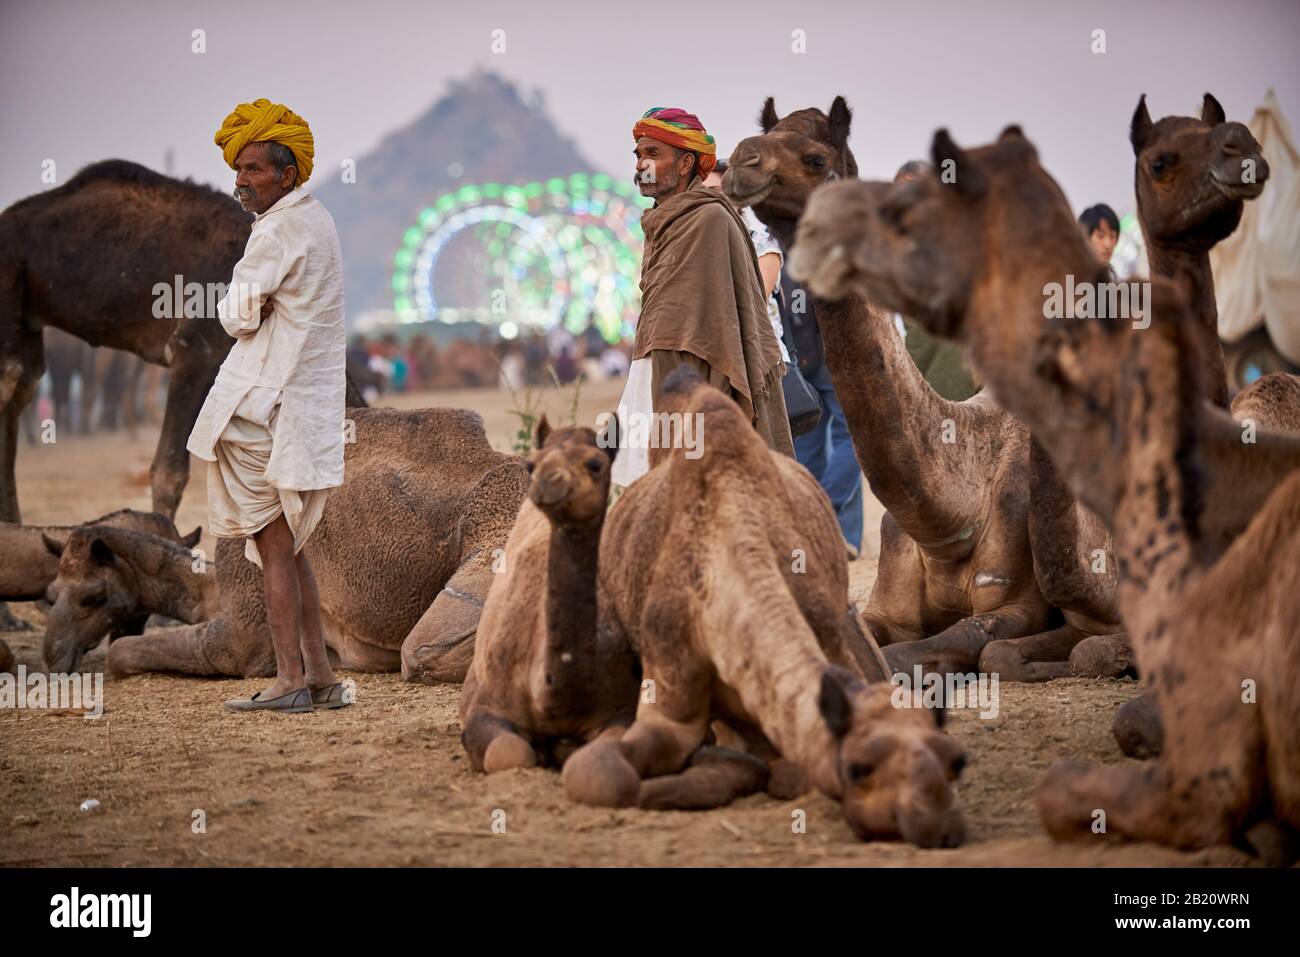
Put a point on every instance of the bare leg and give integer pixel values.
(315, 661)
(283, 606)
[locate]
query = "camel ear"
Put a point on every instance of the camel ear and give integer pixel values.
(954, 168)
(53, 545)
(101, 553)
(841, 118)
(1012, 131)
(833, 702)
(1139, 130)
(543, 430)
(767, 117)
(1211, 112)
(192, 539)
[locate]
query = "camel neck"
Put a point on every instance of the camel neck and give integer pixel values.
(1191, 265)
(572, 562)
(1158, 536)
(176, 584)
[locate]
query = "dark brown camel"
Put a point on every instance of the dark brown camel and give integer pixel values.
(955, 569)
(546, 678)
(86, 257)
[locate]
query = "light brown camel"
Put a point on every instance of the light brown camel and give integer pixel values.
(955, 569)
(27, 568)
(403, 559)
(1207, 527)
(545, 677)
(727, 573)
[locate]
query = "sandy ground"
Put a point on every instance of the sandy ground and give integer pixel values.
(386, 781)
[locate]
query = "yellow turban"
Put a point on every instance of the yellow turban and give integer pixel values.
(262, 121)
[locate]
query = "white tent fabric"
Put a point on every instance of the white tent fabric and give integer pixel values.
(1257, 268)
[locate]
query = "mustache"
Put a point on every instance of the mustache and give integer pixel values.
(244, 192)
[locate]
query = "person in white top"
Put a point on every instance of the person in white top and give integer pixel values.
(272, 426)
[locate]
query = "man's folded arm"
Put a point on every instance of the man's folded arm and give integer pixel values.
(256, 278)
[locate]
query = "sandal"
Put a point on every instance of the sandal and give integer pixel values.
(330, 696)
(294, 702)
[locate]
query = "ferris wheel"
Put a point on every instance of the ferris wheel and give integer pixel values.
(566, 251)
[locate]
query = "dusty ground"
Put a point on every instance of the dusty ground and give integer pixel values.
(386, 782)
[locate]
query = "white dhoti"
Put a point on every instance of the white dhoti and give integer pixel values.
(241, 500)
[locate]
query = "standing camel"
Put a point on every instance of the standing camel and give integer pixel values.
(85, 257)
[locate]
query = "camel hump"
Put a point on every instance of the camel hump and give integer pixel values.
(416, 429)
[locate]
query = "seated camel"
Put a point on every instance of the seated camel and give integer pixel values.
(1207, 527)
(403, 558)
(27, 568)
(727, 573)
(545, 677)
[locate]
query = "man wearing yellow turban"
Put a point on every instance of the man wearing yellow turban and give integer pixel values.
(272, 425)
(702, 298)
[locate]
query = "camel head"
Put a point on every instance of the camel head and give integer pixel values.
(93, 594)
(896, 766)
(1194, 175)
(778, 170)
(571, 469)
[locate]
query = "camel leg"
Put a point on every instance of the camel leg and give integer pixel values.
(1137, 727)
(171, 462)
(441, 645)
(715, 777)
(1039, 657)
(956, 648)
(1103, 656)
(1143, 803)
(204, 649)
(494, 744)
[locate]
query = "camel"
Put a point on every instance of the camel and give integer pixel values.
(955, 569)
(1207, 528)
(27, 568)
(403, 558)
(545, 677)
(727, 573)
(85, 257)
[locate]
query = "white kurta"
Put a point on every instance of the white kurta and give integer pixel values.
(273, 423)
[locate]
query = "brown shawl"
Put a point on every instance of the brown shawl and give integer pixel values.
(702, 292)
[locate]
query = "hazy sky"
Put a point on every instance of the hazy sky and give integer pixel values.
(84, 80)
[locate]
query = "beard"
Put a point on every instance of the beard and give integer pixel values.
(662, 185)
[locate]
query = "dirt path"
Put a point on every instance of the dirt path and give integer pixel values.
(387, 783)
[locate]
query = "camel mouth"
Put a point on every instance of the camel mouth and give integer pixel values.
(1236, 189)
(826, 273)
(749, 199)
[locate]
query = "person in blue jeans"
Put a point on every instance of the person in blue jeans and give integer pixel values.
(827, 452)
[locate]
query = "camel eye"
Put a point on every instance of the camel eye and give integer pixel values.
(529, 465)
(859, 770)
(815, 160)
(595, 465)
(93, 599)
(1162, 163)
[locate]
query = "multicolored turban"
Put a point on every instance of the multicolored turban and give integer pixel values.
(680, 129)
(262, 121)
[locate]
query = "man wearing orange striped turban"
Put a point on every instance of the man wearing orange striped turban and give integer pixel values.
(271, 428)
(702, 300)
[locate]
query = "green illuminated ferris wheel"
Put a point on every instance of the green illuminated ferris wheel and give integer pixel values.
(561, 252)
